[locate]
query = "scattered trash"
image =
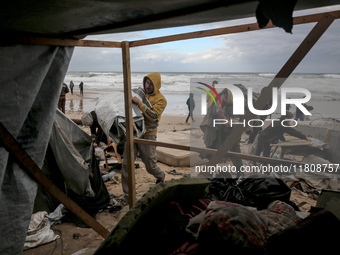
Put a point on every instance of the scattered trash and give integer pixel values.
(109, 176)
(76, 236)
(114, 205)
(56, 216)
(174, 172)
(39, 231)
(115, 208)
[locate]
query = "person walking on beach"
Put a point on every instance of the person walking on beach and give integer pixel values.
(209, 98)
(191, 107)
(71, 86)
(288, 106)
(81, 88)
(62, 97)
(152, 116)
(274, 133)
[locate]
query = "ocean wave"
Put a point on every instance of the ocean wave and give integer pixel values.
(331, 75)
(266, 74)
(318, 84)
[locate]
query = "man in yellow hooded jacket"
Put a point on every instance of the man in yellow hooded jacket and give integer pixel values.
(152, 116)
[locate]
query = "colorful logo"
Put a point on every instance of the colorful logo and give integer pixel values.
(209, 93)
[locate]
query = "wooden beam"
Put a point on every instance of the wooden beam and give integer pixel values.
(58, 42)
(226, 30)
(198, 34)
(128, 122)
(277, 82)
(266, 160)
(28, 165)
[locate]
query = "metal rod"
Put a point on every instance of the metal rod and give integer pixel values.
(213, 151)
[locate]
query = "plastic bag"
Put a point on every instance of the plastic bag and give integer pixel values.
(256, 190)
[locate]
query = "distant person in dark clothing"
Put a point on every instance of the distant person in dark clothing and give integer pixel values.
(191, 107)
(90, 119)
(299, 114)
(71, 86)
(62, 97)
(288, 106)
(209, 99)
(81, 88)
(274, 133)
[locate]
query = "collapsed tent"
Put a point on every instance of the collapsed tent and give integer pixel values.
(71, 164)
(31, 78)
(111, 115)
(41, 69)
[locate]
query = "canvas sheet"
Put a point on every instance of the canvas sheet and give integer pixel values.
(31, 77)
(111, 115)
(71, 147)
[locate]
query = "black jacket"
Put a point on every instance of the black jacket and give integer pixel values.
(272, 134)
(97, 131)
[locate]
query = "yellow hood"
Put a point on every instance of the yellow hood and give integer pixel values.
(156, 80)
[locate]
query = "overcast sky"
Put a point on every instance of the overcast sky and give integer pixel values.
(258, 51)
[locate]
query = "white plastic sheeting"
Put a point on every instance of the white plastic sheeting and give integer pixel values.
(111, 115)
(39, 231)
(30, 82)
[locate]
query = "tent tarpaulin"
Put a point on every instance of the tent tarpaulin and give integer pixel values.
(31, 78)
(111, 115)
(54, 18)
(76, 165)
(71, 147)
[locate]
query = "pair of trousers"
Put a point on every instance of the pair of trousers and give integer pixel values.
(262, 147)
(191, 114)
(148, 155)
(61, 104)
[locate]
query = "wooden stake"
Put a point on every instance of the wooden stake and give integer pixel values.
(128, 122)
(28, 165)
(279, 79)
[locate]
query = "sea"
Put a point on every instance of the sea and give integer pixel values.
(176, 86)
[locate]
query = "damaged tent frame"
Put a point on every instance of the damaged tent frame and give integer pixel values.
(324, 20)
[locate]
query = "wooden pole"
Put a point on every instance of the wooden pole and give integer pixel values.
(128, 122)
(28, 165)
(279, 79)
(226, 30)
(266, 160)
(59, 42)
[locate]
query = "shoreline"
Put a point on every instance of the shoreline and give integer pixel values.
(77, 104)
